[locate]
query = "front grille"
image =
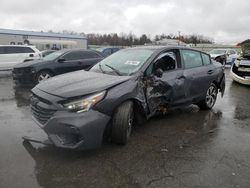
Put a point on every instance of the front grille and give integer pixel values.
(41, 114)
(22, 70)
(240, 73)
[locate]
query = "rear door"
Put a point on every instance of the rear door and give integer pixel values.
(27, 53)
(197, 76)
(89, 59)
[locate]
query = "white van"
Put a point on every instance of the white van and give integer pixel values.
(11, 55)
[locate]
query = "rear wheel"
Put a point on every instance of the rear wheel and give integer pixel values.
(210, 99)
(122, 123)
(43, 75)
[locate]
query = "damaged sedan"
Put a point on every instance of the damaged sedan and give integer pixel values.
(240, 70)
(78, 110)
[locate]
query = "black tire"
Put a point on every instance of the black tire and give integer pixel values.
(210, 99)
(46, 74)
(122, 123)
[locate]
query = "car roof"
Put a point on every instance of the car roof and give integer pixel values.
(80, 49)
(74, 49)
(222, 49)
(159, 48)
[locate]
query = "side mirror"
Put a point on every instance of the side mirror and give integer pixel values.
(61, 60)
(159, 72)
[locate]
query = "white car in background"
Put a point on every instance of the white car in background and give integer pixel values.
(10, 55)
(224, 56)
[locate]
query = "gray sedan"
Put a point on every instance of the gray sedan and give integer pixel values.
(77, 110)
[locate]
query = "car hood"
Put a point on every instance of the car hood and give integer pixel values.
(30, 63)
(215, 55)
(79, 83)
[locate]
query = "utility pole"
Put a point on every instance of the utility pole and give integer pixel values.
(179, 36)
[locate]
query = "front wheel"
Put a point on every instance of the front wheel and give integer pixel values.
(122, 122)
(210, 99)
(43, 75)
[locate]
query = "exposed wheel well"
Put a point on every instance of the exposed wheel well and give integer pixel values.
(45, 70)
(140, 115)
(217, 84)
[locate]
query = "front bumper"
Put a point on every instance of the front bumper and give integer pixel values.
(23, 78)
(237, 78)
(76, 130)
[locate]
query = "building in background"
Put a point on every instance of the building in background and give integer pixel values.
(174, 42)
(42, 40)
(209, 47)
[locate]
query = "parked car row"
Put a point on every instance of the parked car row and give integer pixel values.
(78, 110)
(58, 62)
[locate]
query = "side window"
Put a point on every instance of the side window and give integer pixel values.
(75, 55)
(191, 58)
(89, 55)
(165, 61)
(2, 50)
(115, 50)
(205, 59)
(17, 50)
(107, 52)
(26, 50)
(12, 50)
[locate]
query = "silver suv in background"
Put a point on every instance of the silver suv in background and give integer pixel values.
(10, 55)
(224, 56)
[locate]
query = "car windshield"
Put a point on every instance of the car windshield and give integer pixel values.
(53, 55)
(218, 51)
(124, 62)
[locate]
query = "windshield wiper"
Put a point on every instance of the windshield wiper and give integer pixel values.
(100, 67)
(114, 69)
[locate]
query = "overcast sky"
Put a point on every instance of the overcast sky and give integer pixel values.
(225, 21)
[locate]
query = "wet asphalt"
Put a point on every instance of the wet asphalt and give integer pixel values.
(186, 148)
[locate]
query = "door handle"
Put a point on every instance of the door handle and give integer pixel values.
(210, 72)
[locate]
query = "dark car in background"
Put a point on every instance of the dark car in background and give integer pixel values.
(106, 51)
(59, 62)
(77, 110)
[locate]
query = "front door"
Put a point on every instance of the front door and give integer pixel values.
(72, 62)
(165, 81)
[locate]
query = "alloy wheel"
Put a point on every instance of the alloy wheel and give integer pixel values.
(43, 76)
(211, 96)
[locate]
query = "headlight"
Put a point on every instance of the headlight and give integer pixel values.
(237, 63)
(83, 105)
